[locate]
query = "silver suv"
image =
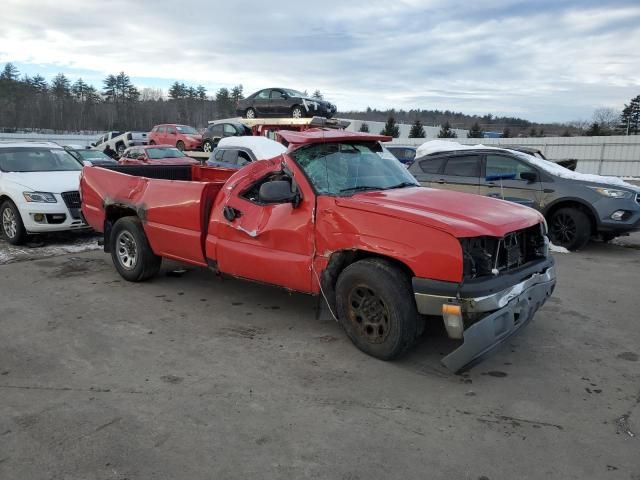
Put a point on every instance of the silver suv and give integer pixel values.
(577, 206)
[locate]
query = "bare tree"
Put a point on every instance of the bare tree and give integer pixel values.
(607, 118)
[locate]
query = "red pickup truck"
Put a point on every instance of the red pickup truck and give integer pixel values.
(334, 216)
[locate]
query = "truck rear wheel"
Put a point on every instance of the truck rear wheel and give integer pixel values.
(130, 251)
(376, 308)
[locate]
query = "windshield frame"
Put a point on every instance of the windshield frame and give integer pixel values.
(349, 192)
(52, 150)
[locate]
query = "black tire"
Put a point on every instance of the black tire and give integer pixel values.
(207, 146)
(180, 145)
(569, 228)
(250, 113)
(376, 308)
(120, 148)
(128, 241)
(297, 112)
(14, 232)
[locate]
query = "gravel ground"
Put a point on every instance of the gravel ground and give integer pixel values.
(191, 376)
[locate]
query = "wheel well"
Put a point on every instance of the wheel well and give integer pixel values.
(113, 213)
(341, 260)
(578, 206)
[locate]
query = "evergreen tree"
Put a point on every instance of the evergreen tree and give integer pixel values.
(109, 90)
(391, 129)
(566, 133)
(594, 130)
(417, 130)
(236, 94)
(506, 133)
(364, 127)
(225, 104)
(201, 92)
(61, 86)
(533, 132)
(475, 131)
(39, 84)
(10, 72)
(317, 95)
(446, 132)
(630, 118)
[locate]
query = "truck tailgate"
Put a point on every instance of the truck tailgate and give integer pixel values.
(174, 213)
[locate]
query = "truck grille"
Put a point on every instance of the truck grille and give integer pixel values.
(491, 255)
(71, 199)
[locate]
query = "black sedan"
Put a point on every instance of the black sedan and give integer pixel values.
(283, 102)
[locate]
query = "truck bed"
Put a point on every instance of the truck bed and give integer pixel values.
(172, 201)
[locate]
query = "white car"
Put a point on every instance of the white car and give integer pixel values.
(38, 190)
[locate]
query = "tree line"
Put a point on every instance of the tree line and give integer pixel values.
(62, 105)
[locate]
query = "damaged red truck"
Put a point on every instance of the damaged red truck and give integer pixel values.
(334, 216)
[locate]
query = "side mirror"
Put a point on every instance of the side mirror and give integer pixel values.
(277, 191)
(530, 177)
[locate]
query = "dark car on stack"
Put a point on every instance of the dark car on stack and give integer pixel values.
(283, 102)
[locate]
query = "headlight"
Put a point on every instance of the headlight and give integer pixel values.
(612, 193)
(39, 197)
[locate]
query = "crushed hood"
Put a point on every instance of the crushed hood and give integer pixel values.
(53, 182)
(460, 214)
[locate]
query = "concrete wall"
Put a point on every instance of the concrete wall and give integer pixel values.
(617, 155)
(376, 127)
(63, 139)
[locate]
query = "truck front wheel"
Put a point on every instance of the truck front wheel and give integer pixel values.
(130, 251)
(376, 308)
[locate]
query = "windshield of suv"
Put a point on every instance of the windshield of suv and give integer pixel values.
(186, 129)
(34, 159)
(348, 167)
(157, 153)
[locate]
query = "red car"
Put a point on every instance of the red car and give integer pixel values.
(183, 137)
(156, 155)
(334, 217)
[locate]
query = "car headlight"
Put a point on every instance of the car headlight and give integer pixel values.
(612, 192)
(39, 197)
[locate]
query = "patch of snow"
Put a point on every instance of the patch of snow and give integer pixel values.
(10, 253)
(437, 146)
(262, 147)
(557, 248)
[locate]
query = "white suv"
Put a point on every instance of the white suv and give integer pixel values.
(38, 190)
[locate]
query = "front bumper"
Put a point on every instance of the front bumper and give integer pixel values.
(629, 223)
(50, 217)
(492, 317)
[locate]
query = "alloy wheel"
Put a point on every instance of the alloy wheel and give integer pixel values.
(9, 223)
(564, 228)
(127, 250)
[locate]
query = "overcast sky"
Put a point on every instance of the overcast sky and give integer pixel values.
(544, 60)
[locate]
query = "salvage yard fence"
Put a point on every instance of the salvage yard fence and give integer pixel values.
(616, 155)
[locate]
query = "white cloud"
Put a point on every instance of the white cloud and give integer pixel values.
(544, 61)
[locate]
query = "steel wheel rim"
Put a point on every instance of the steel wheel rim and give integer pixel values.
(297, 113)
(127, 250)
(206, 147)
(251, 113)
(9, 223)
(369, 314)
(564, 228)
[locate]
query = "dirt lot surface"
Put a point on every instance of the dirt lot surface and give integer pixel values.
(194, 377)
